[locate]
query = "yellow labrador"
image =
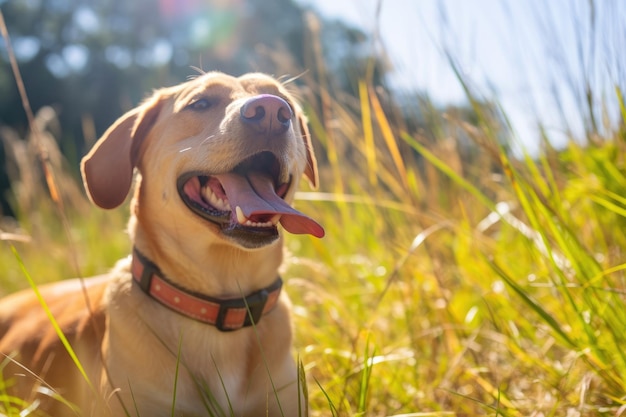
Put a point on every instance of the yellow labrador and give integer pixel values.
(194, 320)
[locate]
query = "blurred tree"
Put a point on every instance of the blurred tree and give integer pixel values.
(99, 58)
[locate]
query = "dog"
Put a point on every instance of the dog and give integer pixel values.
(194, 321)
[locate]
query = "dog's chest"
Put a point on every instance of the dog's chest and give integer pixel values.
(165, 358)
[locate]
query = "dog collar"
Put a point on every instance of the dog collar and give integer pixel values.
(225, 314)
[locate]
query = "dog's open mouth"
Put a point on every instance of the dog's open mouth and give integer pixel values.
(247, 202)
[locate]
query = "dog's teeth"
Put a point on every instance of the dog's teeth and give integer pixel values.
(241, 218)
(244, 221)
(223, 205)
(208, 195)
(214, 200)
(206, 192)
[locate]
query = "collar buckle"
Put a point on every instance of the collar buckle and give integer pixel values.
(253, 306)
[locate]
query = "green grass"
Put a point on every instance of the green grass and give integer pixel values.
(491, 286)
(450, 282)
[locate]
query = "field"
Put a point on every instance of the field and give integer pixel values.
(456, 279)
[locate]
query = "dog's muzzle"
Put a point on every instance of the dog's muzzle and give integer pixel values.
(247, 203)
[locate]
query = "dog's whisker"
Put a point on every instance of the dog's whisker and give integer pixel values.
(286, 79)
(208, 138)
(200, 72)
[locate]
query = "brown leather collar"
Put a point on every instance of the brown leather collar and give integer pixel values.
(226, 315)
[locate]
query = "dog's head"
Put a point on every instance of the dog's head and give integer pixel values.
(226, 151)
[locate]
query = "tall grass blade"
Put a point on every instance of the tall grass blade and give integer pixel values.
(620, 100)
(609, 205)
(325, 137)
(56, 396)
(52, 320)
(32, 408)
(535, 306)
(499, 411)
(388, 136)
(303, 391)
(132, 396)
(331, 405)
(366, 374)
(439, 164)
(5, 399)
(176, 374)
(368, 134)
(212, 400)
(45, 163)
(265, 362)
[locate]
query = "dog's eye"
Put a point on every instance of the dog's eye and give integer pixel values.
(201, 104)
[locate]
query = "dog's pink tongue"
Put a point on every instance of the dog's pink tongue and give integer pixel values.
(255, 195)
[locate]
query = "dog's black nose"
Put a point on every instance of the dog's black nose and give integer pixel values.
(267, 114)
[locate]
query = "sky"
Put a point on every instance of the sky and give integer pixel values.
(532, 56)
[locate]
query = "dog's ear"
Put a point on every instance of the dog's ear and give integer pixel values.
(108, 168)
(310, 171)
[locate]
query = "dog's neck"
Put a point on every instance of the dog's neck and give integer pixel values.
(213, 268)
(225, 314)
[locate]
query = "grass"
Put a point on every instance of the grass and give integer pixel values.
(451, 282)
